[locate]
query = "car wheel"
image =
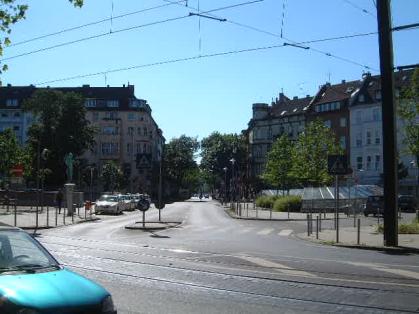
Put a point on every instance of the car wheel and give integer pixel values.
(365, 214)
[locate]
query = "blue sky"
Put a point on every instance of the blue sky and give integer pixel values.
(204, 95)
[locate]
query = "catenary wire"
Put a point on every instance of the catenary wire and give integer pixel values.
(123, 30)
(359, 8)
(93, 23)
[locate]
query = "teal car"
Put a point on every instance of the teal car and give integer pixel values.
(33, 282)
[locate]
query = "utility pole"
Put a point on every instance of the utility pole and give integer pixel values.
(388, 122)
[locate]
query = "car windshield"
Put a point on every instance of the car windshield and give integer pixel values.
(108, 198)
(19, 251)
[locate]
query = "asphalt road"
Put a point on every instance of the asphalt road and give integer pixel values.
(212, 263)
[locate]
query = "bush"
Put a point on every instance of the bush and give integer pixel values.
(266, 201)
(291, 202)
(404, 228)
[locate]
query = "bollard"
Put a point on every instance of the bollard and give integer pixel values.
(256, 212)
(320, 222)
(317, 227)
(247, 210)
(337, 228)
(143, 219)
(270, 214)
(15, 214)
(311, 223)
(358, 231)
(47, 216)
(64, 214)
(56, 216)
(308, 225)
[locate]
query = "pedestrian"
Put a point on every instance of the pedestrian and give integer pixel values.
(59, 199)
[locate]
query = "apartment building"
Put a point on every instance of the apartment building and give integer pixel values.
(127, 132)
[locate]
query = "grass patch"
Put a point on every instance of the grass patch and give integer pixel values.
(404, 228)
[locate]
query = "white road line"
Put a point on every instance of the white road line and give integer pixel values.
(285, 232)
(205, 228)
(279, 267)
(224, 229)
(265, 231)
(246, 230)
(401, 272)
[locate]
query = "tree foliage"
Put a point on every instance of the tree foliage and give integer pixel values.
(279, 166)
(10, 13)
(112, 176)
(10, 151)
(179, 163)
(408, 109)
(217, 150)
(60, 126)
(310, 154)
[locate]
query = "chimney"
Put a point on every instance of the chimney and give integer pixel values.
(343, 81)
(295, 98)
(9, 85)
(307, 96)
(85, 85)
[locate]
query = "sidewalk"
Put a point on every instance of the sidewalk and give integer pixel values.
(48, 217)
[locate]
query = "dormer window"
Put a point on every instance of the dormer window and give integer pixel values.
(11, 102)
(112, 103)
(361, 98)
(90, 103)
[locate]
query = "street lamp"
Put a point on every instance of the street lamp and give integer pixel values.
(225, 183)
(233, 185)
(415, 166)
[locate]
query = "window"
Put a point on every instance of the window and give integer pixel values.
(112, 103)
(358, 116)
(377, 137)
(145, 131)
(131, 116)
(90, 103)
(342, 142)
(138, 131)
(328, 123)
(110, 130)
(378, 94)
(138, 148)
(369, 160)
(358, 139)
(16, 128)
(109, 149)
(377, 162)
(134, 103)
(343, 122)
(129, 148)
(11, 102)
(16, 114)
(111, 115)
(130, 130)
(359, 163)
(4, 114)
(361, 98)
(368, 137)
(144, 148)
(376, 114)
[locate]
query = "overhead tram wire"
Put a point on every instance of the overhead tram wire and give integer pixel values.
(171, 61)
(359, 8)
(66, 30)
(296, 42)
(124, 30)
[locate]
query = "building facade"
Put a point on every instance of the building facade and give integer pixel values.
(127, 132)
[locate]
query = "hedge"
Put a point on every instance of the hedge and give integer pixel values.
(280, 203)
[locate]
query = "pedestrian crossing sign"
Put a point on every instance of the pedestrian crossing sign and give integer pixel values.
(337, 164)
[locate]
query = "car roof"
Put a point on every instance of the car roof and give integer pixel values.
(5, 227)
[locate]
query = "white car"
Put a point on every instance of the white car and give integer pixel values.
(108, 204)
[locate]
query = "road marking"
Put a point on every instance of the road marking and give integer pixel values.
(285, 232)
(279, 267)
(246, 230)
(265, 231)
(205, 228)
(400, 272)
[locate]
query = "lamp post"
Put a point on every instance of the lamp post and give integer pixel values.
(233, 186)
(225, 183)
(416, 184)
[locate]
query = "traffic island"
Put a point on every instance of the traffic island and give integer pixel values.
(152, 225)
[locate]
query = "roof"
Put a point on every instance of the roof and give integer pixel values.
(122, 94)
(338, 92)
(287, 107)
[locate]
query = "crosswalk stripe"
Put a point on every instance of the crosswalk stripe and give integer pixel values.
(265, 231)
(285, 232)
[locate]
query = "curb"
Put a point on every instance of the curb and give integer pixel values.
(400, 250)
(267, 219)
(166, 225)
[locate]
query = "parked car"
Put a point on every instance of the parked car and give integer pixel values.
(374, 205)
(32, 281)
(408, 203)
(109, 204)
(125, 202)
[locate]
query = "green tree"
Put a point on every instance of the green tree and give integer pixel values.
(217, 150)
(278, 171)
(310, 154)
(11, 13)
(61, 127)
(10, 151)
(112, 176)
(179, 162)
(408, 109)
